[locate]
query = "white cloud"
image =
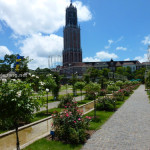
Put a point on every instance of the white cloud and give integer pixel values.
(84, 13)
(109, 44)
(141, 59)
(3, 51)
(90, 59)
(121, 48)
(110, 41)
(120, 39)
(39, 47)
(105, 55)
(127, 59)
(34, 16)
(146, 40)
(100, 56)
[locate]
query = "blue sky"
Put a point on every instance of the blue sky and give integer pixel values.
(117, 29)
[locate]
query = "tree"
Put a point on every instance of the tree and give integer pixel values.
(4, 68)
(94, 73)
(73, 81)
(17, 104)
(105, 72)
(139, 74)
(87, 78)
(80, 85)
(11, 60)
(49, 85)
(93, 89)
(57, 79)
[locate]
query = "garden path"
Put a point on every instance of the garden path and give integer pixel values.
(127, 129)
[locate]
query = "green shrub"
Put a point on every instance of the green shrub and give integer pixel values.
(119, 95)
(65, 100)
(112, 88)
(106, 104)
(70, 126)
(119, 83)
(102, 92)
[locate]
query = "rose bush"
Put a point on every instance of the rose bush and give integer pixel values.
(70, 125)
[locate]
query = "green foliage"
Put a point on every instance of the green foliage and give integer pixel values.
(119, 83)
(65, 100)
(139, 74)
(102, 92)
(94, 73)
(73, 82)
(34, 81)
(119, 95)
(86, 78)
(56, 89)
(79, 85)
(92, 89)
(70, 125)
(11, 60)
(112, 88)
(5, 68)
(106, 104)
(17, 103)
(49, 82)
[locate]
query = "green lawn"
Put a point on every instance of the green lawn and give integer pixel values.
(44, 144)
(42, 114)
(83, 102)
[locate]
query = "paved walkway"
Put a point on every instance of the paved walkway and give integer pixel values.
(127, 129)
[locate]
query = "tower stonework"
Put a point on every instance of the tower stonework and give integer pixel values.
(72, 52)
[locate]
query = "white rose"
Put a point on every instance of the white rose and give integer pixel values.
(47, 90)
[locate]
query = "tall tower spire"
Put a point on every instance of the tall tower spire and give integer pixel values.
(70, 1)
(72, 52)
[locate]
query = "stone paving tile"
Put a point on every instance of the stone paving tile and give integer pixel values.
(127, 129)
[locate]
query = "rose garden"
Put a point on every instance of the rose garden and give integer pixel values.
(21, 101)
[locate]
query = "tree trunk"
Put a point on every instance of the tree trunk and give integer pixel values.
(94, 108)
(17, 138)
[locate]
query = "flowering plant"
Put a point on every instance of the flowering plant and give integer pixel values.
(17, 104)
(102, 92)
(70, 125)
(66, 101)
(119, 95)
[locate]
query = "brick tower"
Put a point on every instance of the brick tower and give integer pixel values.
(72, 52)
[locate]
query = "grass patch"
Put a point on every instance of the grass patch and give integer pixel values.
(44, 144)
(83, 102)
(3, 131)
(101, 118)
(42, 114)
